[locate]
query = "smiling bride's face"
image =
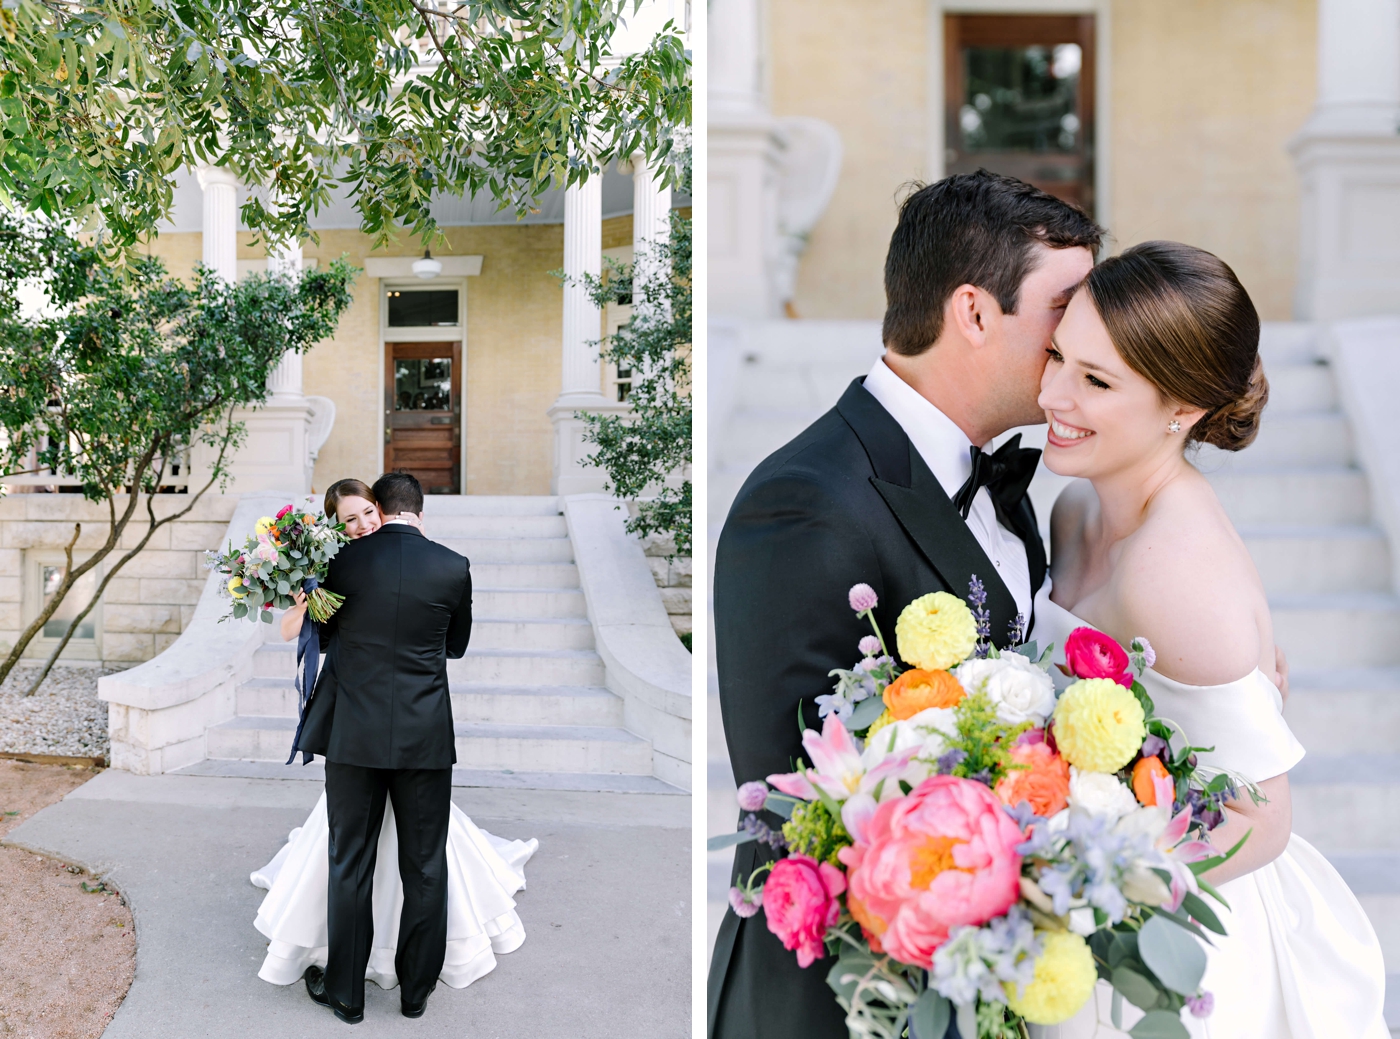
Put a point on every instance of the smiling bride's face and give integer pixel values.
(360, 517)
(1104, 417)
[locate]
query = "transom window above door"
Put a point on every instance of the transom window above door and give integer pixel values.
(423, 308)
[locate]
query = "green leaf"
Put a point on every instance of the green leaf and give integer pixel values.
(929, 1017)
(1136, 989)
(284, 588)
(1172, 954)
(1160, 1024)
(781, 804)
(1202, 912)
(266, 615)
(728, 840)
(865, 713)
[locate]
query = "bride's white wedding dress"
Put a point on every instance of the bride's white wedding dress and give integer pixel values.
(483, 872)
(1301, 960)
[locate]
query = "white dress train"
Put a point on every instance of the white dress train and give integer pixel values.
(1300, 960)
(483, 872)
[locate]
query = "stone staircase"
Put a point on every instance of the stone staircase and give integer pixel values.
(528, 699)
(1302, 506)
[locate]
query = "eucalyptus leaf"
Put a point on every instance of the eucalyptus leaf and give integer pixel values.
(1172, 954)
(865, 713)
(728, 840)
(967, 1019)
(1136, 989)
(781, 804)
(929, 1016)
(1160, 1024)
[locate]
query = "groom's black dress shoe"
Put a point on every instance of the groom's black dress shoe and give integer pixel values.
(414, 1009)
(315, 979)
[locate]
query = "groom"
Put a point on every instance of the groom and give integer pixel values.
(382, 717)
(890, 488)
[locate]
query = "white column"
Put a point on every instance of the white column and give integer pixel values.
(1348, 161)
(743, 167)
(285, 380)
(581, 384)
(651, 222)
(220, 224)
(583, 255)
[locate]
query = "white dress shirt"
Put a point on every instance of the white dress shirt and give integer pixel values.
(944, 449)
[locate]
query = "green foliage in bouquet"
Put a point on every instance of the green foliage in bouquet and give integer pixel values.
(275, 560)
(984, 740)
(813, 831)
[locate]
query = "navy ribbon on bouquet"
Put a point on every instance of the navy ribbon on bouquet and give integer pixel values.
(308, 662)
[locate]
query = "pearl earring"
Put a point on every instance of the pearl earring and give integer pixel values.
(1173, 426)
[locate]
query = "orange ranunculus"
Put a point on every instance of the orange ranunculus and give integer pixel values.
(1044, 782)
(1144, 772)
(309, 519)
(917, 690)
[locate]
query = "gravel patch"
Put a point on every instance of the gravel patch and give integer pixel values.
(64, 717)
(67, 942)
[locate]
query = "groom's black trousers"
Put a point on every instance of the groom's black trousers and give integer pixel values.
(422, 799)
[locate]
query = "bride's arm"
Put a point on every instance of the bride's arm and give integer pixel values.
(1271, 824)
(291, 620)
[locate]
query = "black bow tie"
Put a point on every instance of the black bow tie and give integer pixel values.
(1006, 474)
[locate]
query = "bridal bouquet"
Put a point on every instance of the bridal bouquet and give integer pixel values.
(971, 845)
(284, 554)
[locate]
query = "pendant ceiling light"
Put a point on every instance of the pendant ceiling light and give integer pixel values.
(427, 267)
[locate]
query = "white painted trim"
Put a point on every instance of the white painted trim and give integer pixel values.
(402, 267)
(1103, 192)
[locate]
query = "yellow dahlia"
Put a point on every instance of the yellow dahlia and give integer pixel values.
(1064, 980)
(936, 631)
(264, 525)
(234, 585)
(1099, 725)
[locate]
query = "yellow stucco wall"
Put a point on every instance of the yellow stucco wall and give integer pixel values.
(1205, 94)
(512, 354)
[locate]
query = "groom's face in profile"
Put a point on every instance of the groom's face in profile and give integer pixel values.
(1021, 340)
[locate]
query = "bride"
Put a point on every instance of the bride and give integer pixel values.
(483, 870)
(1158, 350)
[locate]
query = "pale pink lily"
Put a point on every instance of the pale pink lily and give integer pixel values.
(1179, 854)
(837, 769)
(266, 550)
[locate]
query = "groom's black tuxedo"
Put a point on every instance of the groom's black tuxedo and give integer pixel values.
(848, 501)
(382, 715)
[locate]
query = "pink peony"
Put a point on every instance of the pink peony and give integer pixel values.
(942, 857)
(863, 597)
(1092, 654)
(799, 901)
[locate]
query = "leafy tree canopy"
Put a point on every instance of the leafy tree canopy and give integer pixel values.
(102, 100)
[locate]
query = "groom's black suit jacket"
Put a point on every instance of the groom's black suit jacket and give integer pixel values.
(382, 700)
(848, 501)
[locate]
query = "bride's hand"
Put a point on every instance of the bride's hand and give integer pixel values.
(1281, 668)
(291, 620)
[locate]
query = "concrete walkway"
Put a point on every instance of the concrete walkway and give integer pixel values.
(606, 911)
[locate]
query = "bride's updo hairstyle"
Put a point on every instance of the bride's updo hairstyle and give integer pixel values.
(346, 489)
(1181, 319)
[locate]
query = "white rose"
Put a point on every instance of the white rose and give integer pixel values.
(1021, 691)
(1099, 793)
(923, 731)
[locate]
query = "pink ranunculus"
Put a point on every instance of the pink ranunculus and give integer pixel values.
(799, 902)
(942, 857)
(1092, 654)
(285, 509)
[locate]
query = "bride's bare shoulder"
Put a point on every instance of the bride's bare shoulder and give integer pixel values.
(1186, 582)
(1069, 515)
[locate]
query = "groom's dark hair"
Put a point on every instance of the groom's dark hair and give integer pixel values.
(969, 229)
(398, 492)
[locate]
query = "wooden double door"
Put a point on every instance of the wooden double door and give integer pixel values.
(423, 413)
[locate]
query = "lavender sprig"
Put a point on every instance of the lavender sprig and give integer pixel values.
(1016, 630)
(977, 596)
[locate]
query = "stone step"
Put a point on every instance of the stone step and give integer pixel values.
(1300, 387)
(812, 388)
(535, 705)
(751, 436)
(1305, 438)
(1320, 496)
(528, 667)
(528, 602)
(1361, 629)
(275, 660)
(1330, 710)
(471, 702)
(532, 633)
(484, 746)
(435, 505)
(512, 550)
(444, 527)
(1319, 559)
(504, 779)
(1347, 803)
(524, 575)
(1287, 342)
